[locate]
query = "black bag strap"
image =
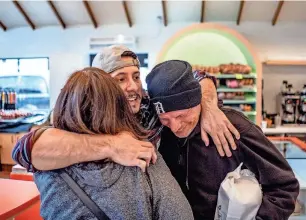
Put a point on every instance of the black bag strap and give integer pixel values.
(91, 205)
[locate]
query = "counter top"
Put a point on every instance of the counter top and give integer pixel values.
(16, 196)
(297, 164)
(294, 140)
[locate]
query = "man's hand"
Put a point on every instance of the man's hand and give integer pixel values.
(216, 124)
(56, 149)
(128, 151)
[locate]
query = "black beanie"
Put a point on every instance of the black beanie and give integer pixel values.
(172, 86)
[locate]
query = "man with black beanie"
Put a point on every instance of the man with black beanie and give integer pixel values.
(199, 169)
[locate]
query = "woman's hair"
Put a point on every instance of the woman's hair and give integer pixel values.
(91, 102)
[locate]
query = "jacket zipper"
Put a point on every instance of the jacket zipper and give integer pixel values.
(187, 170)
(187, 161)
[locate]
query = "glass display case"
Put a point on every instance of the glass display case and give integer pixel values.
(289, 150)
(294, 150)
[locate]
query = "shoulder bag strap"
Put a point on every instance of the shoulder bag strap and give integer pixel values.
(91, 205)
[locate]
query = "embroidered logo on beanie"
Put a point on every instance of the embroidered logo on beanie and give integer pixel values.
(159, 107)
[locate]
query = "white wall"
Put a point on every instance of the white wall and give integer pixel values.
(273, 78)
(69, 49)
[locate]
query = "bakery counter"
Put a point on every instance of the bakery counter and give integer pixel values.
(13, 125)
(298, 167)
(294, 150)
(7, 143)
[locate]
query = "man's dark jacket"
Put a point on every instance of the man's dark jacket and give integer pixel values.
(200, 170)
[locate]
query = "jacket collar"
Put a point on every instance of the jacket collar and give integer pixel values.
(195, 131)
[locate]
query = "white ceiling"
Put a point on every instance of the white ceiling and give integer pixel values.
(144, 12)
(74, 13)
(183, 11)
(39, 12)
(293, 11)
(261, 11)
(222, 11)
(108, 12)
(10, 16)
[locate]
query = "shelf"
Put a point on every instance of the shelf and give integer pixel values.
(286, 62)
(251, 113)
(291, 96)
(225, 89)
(235, 76)
(227, 46)
(233, 102)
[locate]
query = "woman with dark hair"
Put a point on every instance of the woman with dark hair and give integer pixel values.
(91, 102)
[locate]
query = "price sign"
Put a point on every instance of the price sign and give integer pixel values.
(239, 76)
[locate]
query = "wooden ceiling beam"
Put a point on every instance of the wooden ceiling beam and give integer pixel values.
(127, 14)
(58, 16)
(4, 28)
(203, 11)
(164, 13)
(240, 11)
(90, 13)
(277, 12)
(24, 14)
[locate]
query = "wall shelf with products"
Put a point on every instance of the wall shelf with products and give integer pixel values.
(292, 105)
(253, 113)
(246, 101)
(226, 89)
(228, 56)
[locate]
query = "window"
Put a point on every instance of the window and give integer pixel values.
(29, 77)
(8, 66)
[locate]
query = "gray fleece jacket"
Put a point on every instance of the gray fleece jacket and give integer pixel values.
(121, 192)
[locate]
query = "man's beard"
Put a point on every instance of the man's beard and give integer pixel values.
(134, 100)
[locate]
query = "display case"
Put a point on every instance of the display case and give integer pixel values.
(227, 55)
(294, 150)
